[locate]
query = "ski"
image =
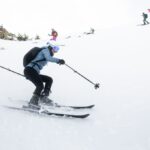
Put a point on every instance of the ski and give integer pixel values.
(73, 107)
(56, 105)
(46, 112)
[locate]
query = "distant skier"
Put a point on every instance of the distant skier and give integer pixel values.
(90, 32)
(145, 16)
(54, 35)
(32, 73)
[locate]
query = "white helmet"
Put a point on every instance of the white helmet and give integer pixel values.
(56, 48)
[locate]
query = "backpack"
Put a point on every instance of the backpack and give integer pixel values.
(30, 55)
(146, 16)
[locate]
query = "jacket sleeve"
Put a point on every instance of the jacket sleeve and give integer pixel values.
(48, 57)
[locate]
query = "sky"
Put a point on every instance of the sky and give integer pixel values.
(68, 16)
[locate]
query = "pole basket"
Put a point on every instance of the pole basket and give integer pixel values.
(96, 85)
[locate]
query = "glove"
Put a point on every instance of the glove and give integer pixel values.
(61, 62)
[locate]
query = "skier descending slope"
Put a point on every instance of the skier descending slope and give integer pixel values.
(34, 61)
(145, 16)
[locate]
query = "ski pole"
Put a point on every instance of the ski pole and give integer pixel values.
(12, 71)
(96, 85)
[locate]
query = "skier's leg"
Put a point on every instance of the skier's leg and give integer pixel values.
(35, 78)
(48, 83)
(44, 97)
(147, 22)
(144, 21)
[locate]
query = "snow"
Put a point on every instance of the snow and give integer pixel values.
(117, 58)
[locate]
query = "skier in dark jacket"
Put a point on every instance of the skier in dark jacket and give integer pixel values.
(145, 16)
(32, 73)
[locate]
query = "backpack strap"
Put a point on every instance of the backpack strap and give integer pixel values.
(36, 63)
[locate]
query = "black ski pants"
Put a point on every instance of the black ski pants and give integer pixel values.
(38, 80)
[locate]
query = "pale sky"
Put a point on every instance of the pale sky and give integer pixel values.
(67, 16)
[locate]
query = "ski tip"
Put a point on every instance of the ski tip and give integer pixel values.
(82, 107)
(85, 116)
(92, 106)
(78, 116)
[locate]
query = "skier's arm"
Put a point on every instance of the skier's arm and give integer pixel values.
(48, 57)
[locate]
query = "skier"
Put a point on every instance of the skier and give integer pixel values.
(145, 16)
(54, 35)
(90, 32)
(32, 73)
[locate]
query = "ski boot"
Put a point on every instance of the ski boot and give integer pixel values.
(46, 101)
(34, 102)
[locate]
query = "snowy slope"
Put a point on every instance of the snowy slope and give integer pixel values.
(116, 58)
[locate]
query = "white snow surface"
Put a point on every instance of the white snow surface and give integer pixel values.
(118, 59)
